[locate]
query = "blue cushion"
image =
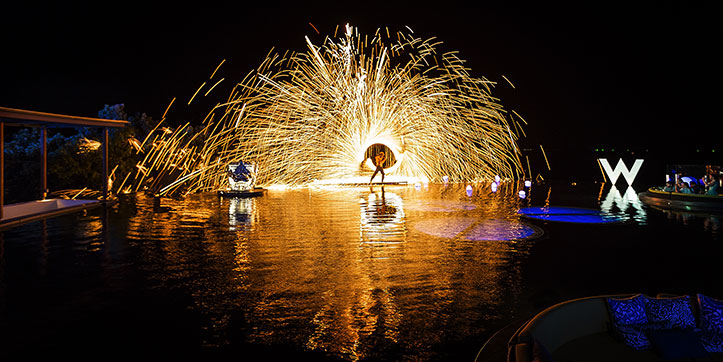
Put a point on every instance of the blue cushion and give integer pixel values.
(711, 341)
(628, 311)
(675, 310)
(677, 343)
(636, 335)
(711, 314)
(633, 336)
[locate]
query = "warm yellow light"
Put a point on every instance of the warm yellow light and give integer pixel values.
(85, 145)
(310, 117)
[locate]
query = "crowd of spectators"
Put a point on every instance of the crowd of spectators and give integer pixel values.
(709, 186)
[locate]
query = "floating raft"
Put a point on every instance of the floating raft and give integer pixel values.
(249, 193)
(396, 183)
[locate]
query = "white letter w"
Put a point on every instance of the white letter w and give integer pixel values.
(621, 168)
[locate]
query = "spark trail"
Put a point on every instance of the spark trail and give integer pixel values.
(311, 116)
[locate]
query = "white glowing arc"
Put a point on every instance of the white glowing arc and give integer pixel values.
(390, 143)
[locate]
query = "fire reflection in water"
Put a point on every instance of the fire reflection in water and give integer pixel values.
(242, 213)
(337, 270)
(382, 218)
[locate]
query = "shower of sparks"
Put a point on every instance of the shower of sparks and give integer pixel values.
(311, 116)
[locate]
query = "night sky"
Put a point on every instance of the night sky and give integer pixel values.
(586, 76)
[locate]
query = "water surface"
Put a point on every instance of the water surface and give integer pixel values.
(347, 273)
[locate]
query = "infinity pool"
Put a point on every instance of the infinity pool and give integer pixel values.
(346, 273)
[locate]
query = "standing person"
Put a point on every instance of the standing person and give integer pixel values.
(378, 162)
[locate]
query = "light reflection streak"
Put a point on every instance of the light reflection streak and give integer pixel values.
(242, 212)
(624, 203)
(382, 218)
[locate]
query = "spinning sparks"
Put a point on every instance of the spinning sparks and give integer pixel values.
(313, 116)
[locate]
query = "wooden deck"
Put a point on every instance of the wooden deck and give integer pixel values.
(399, 183)
(23, 212)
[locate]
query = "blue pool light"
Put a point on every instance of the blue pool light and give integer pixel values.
(528, 183)
(522, 194)
(569, 214)
(494, 187)
(469, 190)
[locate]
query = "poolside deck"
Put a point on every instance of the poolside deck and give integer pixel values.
(22, 212)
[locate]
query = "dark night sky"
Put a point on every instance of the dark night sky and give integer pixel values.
(612, 74)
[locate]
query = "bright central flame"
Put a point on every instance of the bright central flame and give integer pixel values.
(393, 144)
(309, 117)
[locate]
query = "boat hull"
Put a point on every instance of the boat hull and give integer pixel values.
(680, 201)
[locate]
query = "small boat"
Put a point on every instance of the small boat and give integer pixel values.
(256, 191)
(681, 201)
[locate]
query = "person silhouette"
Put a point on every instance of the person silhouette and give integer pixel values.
(378, 162)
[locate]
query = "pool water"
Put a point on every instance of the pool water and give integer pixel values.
(333, 273)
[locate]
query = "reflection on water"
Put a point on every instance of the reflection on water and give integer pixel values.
(628, 204)
(708, 221)
(382, 217)
(334, 270)
(343, 271)
(392, 273)
(241, 212)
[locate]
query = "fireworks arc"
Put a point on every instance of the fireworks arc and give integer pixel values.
(312, 116)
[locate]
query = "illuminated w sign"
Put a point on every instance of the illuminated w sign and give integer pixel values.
(621, 168)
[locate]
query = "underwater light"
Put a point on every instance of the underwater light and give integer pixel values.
(570, 215)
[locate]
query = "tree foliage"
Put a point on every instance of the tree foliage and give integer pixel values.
(73, 162)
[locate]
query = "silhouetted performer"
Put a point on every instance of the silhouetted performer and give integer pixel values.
(378, 162)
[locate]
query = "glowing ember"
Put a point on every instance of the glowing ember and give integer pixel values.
(319, 115)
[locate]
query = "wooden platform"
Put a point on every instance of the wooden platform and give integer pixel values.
(250, 193)
(399, 183)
